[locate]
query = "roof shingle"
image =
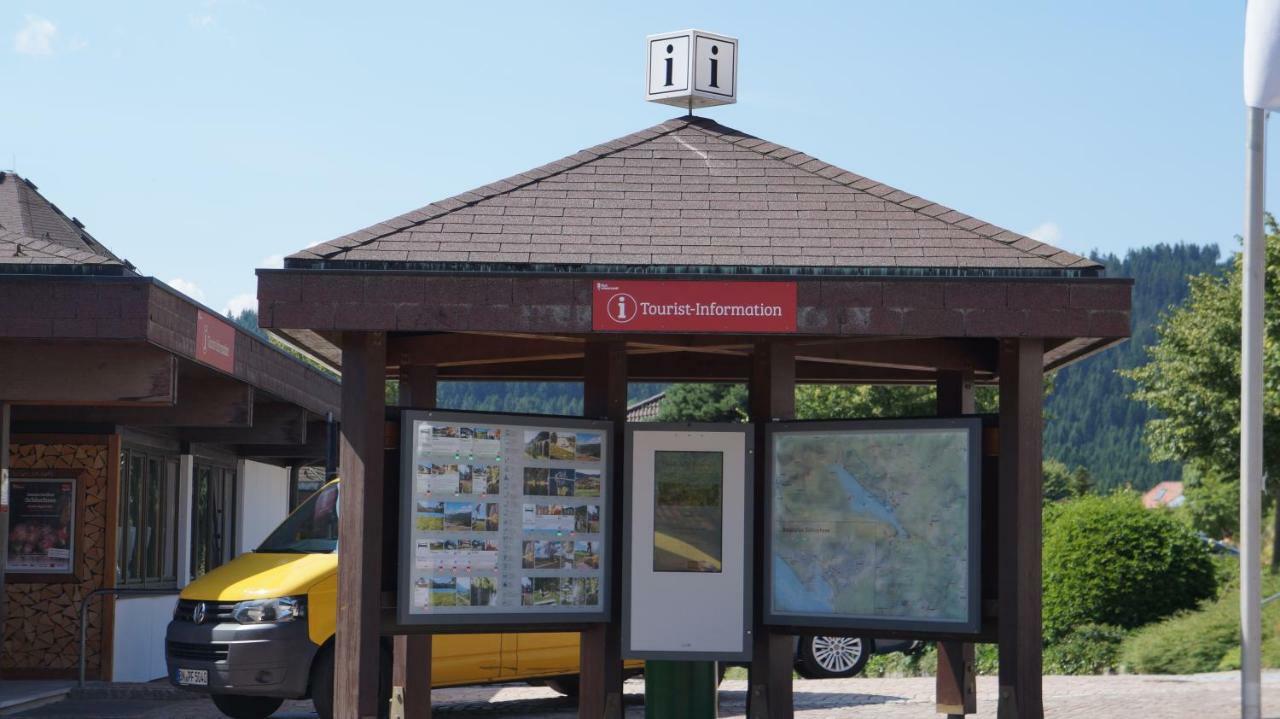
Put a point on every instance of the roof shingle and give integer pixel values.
(691, 192)
(34, 232)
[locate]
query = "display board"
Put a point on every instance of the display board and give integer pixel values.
(874, 525)
(42, 521)
(687, 562)
(504, 519)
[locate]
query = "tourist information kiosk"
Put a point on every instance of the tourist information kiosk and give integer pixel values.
(694, 252)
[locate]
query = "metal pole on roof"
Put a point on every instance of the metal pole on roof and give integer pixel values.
(330, 447)
(1251, 422)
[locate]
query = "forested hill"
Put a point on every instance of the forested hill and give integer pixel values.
(526, 397)
(1091, 420)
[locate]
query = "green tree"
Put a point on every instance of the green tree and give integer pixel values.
(1192, 382)
(848, 401)
(701, 402)
(1057, 481)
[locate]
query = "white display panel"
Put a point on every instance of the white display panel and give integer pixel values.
(503, 519)
(688, 551)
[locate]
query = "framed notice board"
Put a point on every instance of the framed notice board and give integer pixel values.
(874, 525)
(687, 572)
(504, 519)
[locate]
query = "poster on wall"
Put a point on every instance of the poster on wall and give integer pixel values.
(41, 525)
(874, 525)
(504, 519)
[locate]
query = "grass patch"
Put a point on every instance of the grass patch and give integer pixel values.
(1204, 640)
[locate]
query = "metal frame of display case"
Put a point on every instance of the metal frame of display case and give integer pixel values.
(973, 622)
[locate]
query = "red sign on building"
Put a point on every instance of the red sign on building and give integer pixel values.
(693, 306)
(215, 342)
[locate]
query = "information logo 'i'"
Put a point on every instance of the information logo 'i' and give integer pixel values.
(622, 308)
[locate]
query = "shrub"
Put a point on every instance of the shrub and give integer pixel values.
(1107, 560)
(919, 664)
(1088, 649)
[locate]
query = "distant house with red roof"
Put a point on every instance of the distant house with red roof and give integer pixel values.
(1165, 494)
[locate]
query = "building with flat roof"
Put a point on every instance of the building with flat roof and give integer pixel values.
(147, 440)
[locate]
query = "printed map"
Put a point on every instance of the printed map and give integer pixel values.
(872, 524)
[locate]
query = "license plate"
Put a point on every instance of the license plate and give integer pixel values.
(193, 677)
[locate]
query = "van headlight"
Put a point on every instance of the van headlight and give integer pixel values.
(280, 609)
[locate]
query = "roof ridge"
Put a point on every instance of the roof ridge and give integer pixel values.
(449, 205)
(890, 194)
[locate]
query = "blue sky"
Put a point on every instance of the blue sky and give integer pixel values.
(202, 139)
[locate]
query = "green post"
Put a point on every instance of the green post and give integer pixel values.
(679, 690)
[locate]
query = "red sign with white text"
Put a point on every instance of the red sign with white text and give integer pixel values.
(215, 342)
(692, 306)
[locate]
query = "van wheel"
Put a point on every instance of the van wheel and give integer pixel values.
(567, 686)
(322, 683)
(238, 706)
(832, 657)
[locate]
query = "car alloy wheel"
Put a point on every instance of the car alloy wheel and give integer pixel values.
(837, 655)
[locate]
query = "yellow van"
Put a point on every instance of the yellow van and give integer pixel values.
(259, 629)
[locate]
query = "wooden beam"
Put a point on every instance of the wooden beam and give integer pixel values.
(447, 350)
(75, 373)
(273, 423)
(312, 449)
(771, 396)
(921, 354)
(956, 683)
(600, 653)
(204, 399)
(688, 367)
(411, 653)
(364, 361)
(1021, 405)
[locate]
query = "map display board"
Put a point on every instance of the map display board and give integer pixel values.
(874, 525)
(503, 519)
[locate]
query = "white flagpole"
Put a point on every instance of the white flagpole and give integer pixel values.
(1251, 423)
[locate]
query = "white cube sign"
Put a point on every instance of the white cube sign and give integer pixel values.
(692, 68)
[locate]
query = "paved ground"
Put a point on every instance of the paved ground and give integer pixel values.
(1200, 696)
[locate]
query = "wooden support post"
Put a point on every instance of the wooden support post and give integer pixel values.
(411, 653)
(1021, 400)
(356, 672)
(605, 397)
(418, 386)
(772, 395)
(956, 693)
(5, 430)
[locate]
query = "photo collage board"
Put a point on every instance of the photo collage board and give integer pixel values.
(505, 517)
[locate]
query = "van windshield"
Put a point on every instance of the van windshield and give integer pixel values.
(311, 529)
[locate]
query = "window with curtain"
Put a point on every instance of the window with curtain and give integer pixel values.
(147, 528)
(213, 516)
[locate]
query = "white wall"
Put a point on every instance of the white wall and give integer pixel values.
(138, 649)
(264, 501)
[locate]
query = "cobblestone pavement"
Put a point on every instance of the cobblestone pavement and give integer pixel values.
(1200, 696)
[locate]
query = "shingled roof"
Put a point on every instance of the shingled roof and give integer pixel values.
(691, 195)
(36, 236)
